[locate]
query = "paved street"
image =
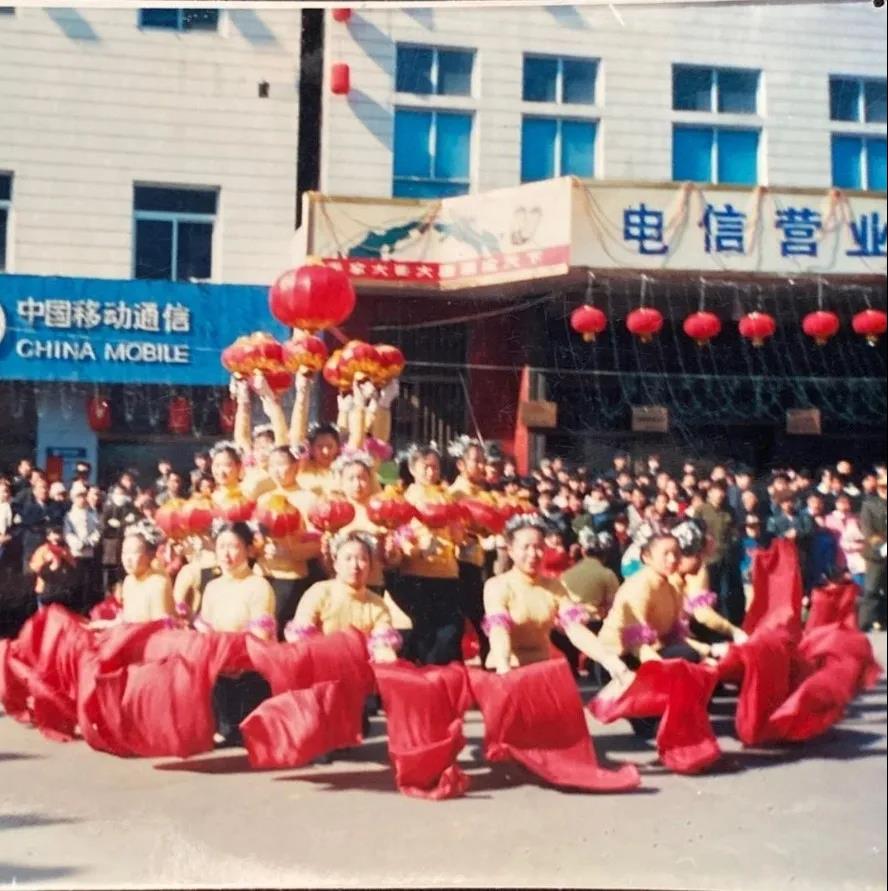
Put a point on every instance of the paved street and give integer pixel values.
(802, 817)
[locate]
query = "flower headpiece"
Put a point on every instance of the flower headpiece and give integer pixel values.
(353, 456)
(691, 537)
(343, 538)
(527, 521)
(590, 540)
(226, 445)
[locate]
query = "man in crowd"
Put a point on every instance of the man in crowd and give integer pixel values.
(873, 525)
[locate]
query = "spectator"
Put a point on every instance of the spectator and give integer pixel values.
(620, 466)
(659, 511)
(83, 533)
(635, 512)
(821, 555)
(788, 523)
(118, 514)
(678, 502)
(846, 526)
(589, 581)
(173, 488)
(82, 472)
(164, 469)
(6, 524)
(754, 538)
(94, 498)
(201, 469)
(59, 497)
(742, 483)
(36, 516)
(873, 524)
(722, 561)
(54, 570)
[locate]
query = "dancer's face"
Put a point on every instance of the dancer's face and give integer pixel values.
(282, 469)
(324, 449)
(134, 556)
(662, 556)
(353, 564)
(473, 465)
(356, 482)
(226, 471)
(231, 552)
(428, 470)
(526, 551)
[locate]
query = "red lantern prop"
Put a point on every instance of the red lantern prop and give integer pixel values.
(437, 516)
(390, 513)
(333, 372)
(359, 358)
(169, 519)
(391, 363)
(312, 298)
(342, 14)
(258, 351)
(278, 516)
(871, 324)
(702, 327)
(484, 518)
(644, 323)
(757, 327)
(305, 352)
(589, 321)
(196, 515)
(331, 515)
(98, 414)
(233, 506)
(279, 381)
(340, 79)
(179, 420)
(821, 325)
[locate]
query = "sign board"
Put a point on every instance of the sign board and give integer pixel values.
(650, 419)
(61, 461)
(803, 421)
(538, 414)
(104, 331)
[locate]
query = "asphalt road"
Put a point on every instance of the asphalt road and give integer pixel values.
(799, 817)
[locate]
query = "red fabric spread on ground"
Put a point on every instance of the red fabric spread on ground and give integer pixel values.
(777, 587)
(834, 604)
(533, 715)
(424, 710)
(677, 692)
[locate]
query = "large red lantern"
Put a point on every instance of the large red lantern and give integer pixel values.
(821, 325)
(179, 420)
(98, 414)
(702, 327)
(227, 414)
(331, 515)
(390, 513)
(645, 322)
(312, 298)
(757, 327)
(278, 515)
(871, 324)
(169, 519)
(589, 321)
(305, 352)
(340, 79)
(196, 515)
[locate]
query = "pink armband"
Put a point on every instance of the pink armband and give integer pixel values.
(201, 624)
(378, 449)
(571, 615)
(496, 620)
(704, 598)
(637, 635)
(182, 609)
(296, 633)
(388, 638)
(263, 623)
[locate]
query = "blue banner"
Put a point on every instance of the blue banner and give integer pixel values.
(116, 332)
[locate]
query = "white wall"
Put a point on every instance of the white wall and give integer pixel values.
(796, 47)
(90, 103)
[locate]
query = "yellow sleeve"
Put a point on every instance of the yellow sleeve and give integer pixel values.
(381, 428)
(496, 603)
(242, 438)
(261, 608)
(308, 613)
(299, 418)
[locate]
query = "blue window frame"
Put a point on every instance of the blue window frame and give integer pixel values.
(433, 71)
(724, 90)
(857, 99)
(715, 155)
(432, 153)
(552, 147)
(858, 162)
(179, 19)
(567, 81)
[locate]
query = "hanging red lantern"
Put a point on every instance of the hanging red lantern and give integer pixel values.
(342, 14)
(757, 327)
(312, 297)
(196, 515)
(871, 324)
(821, 325)
(179, 420)
(390, 512)
(702, 327)
(278, 515)
(589, 321)
(644, 323)
(98, 414)
(169, 520)
(331, 515)
(227, 414)
(340, 79)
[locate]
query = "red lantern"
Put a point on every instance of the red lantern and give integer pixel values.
(305, 351)
(757, 327)
(98, 414)
(702, 327)
(196, 515)
(233, 506)
(359, 358)
(331, 515)
(342, 14)
(278, 515)
(179, 420)
(871, 324)
(437, 516)
(644, 323)
(169, 519)
(589, 321)
(340, 79)
(484, 518)
(390, 513)
(391, 363)
(278, 380)
(334, 373)
(258, 351)
(821, 325)
(312, 298)
(227, 413)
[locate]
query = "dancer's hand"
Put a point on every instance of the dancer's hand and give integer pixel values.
(389, 393)
(719, 650)
(739, 636)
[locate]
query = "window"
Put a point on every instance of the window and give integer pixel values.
(858, 162)
(715, 155)
(180, 19)
(723, 90)
(5, 204)
(174, 233)
(429, 71)
(562, 80)
(432, 153)
(553, 147)
(859, 100)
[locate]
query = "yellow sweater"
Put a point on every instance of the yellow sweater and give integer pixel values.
(434, 555)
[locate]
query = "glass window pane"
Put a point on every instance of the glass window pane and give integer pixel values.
(455, 72)
(874, 96)
(407, 188)
(159, 18)
(538, 149)
(846, 161)
(691, 88)
(413, 153)
(579, 81)
(154, 246)
(4, 215)
(738, 157)
(195, 251)
(413, 70)
(5, 187)
(540, 79)
(453, 146)
(692, 154)
(875, 164)
(200, 19)
(578, 148)
(175, 200)
(844, 99)
(737, 91)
